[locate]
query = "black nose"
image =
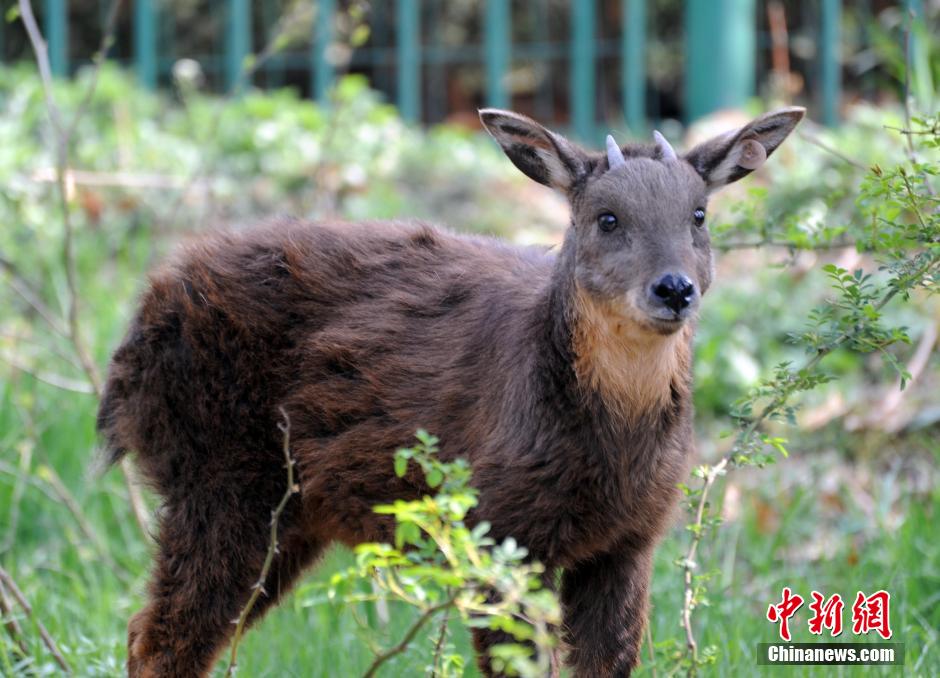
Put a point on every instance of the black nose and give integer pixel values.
(674, 291)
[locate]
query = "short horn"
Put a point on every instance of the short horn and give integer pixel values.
(614, 155)
(664, 148)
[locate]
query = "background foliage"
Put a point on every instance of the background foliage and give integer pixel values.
(851, 509)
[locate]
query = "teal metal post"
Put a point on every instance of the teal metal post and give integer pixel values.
(721, 47)
(238, 42)
(919, 79)
(497, 46)
(582, 69)
(409, 60)
(145, 42)
(57, 36)
(830, 66)
(322, 39)
(633, 69)
(915, 11)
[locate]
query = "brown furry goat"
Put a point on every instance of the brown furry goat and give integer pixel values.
(563, 378)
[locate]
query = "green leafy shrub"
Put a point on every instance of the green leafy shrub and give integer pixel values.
(439, 563)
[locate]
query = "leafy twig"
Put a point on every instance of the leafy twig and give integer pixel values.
(408, 637)
(47, 640)
(689, 564)
(710, 474)
(258, 588)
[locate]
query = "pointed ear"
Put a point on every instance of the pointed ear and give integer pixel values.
(542, 155)
(733, 155)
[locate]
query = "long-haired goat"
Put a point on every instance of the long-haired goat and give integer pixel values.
(564, 378)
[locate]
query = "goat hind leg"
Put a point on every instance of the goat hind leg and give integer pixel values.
(203, 576)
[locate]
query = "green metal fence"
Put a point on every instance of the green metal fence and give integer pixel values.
(720, 40)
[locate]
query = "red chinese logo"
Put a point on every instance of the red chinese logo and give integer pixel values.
(826, 615)
(872, 614)
(783, 611)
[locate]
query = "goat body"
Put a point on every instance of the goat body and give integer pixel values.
(563, 378)
(364, 332)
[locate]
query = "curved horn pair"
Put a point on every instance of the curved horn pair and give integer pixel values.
(615, 156)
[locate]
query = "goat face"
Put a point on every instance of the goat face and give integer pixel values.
(638, 239)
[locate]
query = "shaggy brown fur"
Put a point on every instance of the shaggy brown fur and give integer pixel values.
(550, 373)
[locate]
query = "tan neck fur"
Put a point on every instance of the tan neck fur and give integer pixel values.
(631, 367)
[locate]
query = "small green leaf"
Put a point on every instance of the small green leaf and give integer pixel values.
(401, 466)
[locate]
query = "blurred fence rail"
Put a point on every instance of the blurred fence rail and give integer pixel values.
(584, 65)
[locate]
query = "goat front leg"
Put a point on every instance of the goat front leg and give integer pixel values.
(604, 607)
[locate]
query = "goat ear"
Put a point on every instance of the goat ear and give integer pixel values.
(542, 155)
(733, 155)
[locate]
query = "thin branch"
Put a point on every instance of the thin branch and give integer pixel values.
(51, 378)
(12, 625)
(913, 132)
(408, 637)
(911, 153)
(819, 143)
(67, 499)
(783, 244)
(885, 414)
(13, 472)
(258, 588)
(697, 532)
(47, 640)
(62, 139)
(441, 637)
(115, 179)
(28, 340)
(651, 648)
(41, 49)
(25, 290)
(908, 135)
(19, 489)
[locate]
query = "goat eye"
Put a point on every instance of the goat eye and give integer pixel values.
(607, 222)
(699, 216)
